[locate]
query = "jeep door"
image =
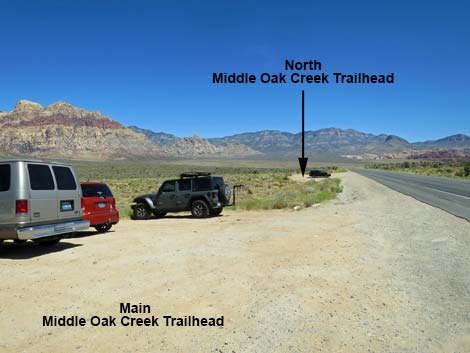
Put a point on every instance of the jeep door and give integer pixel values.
(183, 194)
(43, 194)
(68, 204)
(166, 199)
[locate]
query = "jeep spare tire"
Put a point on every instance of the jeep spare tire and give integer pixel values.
(224, 194)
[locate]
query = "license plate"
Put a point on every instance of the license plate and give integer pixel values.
(101, 205)
(66, 205)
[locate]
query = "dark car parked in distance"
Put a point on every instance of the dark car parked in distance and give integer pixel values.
(318, 173)
(99, 206)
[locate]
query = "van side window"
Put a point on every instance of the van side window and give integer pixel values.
(5, 177)
(64, 178)
(40, 177)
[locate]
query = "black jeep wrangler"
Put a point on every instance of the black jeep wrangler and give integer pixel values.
(198, 192)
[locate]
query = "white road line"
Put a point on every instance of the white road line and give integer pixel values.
(406, 182)
(446, 192)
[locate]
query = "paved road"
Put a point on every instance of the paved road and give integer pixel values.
(451, 195)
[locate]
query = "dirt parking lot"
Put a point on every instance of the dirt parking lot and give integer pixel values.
(373, 271)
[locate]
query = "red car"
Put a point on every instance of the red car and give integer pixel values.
(99, 206)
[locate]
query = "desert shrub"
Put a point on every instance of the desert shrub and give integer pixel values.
(333, 169)
(291, 195)
(466, 169)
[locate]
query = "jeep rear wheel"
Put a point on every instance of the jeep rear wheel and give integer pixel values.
(199, 209)
(216, 211)
(141, 211)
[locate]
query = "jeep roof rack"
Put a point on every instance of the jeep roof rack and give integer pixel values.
(194, 174)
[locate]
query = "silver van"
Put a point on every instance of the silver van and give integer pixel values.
(39, 201)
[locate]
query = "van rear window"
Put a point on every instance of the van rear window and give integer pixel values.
(96, 190)
(40, 177)
(5, 177)
(64, 178)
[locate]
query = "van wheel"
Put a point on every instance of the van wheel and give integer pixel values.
(216, 211)
(141, 211)
(102, 228)
(199, 209)
(49, 242)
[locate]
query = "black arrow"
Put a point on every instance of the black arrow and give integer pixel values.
(303, 160)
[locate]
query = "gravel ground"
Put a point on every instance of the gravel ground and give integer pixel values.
(372, 271)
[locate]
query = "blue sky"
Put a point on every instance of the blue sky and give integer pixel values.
(149, 63)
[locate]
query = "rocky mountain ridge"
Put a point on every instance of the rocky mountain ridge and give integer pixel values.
(196, 146)
(27, 113)
(62, 130)
(160, 138)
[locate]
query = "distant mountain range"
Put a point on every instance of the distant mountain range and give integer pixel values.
(325, 141)
(329, 140)
(454, 141)
(64, 131)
